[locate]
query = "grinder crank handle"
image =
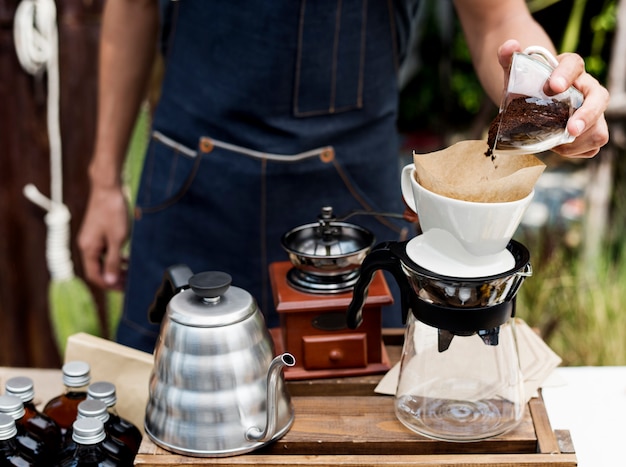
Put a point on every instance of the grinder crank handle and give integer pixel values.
(175, 279)
(383, 256)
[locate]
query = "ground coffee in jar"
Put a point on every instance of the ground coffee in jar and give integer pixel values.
(527, 121)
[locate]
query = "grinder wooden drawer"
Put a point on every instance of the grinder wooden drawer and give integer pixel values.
(339, 351)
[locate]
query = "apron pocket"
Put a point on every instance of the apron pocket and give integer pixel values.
(169, 170)
(330, 60)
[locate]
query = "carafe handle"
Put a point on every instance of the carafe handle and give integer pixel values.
(383, 256)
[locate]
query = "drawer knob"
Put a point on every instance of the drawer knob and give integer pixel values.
(335, 355)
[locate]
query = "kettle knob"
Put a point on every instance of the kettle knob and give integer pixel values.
(210, 285)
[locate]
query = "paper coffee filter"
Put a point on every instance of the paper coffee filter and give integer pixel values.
(464, 172)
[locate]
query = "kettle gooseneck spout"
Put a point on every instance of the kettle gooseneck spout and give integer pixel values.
(273, 378)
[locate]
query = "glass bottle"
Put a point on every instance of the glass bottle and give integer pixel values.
(63, 409)
(39, 425)
(10, 455)
(117, 426)
(115, 448)
(88, 434)
(29, 445)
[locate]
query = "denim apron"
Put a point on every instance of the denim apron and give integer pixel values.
(269, 110)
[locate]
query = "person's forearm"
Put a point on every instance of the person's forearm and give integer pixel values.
(487, 25)
(127, 49)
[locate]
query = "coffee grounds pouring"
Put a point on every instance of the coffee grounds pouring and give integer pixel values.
(528, 120)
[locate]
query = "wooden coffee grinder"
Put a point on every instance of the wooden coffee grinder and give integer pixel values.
(312, 292)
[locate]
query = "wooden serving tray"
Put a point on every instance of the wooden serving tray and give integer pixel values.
(363, 431)
(342, 422)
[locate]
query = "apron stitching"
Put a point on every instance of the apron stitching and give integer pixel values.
(269, 156)
(299, 59)
(241, 150)
(173, 144)
(360, 199)
(263, 227)
(362, 57)
(333, 78)
(392, 25)
(312, 113)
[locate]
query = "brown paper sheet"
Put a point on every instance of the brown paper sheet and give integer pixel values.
(129, 369)
(463, 171)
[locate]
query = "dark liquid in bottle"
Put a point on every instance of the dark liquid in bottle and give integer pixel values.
(114, 448)
(91, 456)
(10, 455)
(33, 449)
(125, 431)
(63, 409)
(42, 427)
(15, 461)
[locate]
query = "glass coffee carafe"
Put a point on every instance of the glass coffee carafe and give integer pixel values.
(460, 377)
(471, 390)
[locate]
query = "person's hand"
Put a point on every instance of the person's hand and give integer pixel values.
(587, 123)
(102, 236)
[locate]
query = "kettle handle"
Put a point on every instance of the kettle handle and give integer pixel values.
(383, 256)
(175, 279)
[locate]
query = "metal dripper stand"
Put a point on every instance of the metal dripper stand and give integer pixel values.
(460, 377)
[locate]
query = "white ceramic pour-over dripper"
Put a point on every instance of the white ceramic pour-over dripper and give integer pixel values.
(527, 79)
(461, 235)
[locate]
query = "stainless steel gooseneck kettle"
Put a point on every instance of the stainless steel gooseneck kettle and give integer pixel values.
(216, 388)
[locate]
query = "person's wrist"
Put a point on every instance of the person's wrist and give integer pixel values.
(104, 176)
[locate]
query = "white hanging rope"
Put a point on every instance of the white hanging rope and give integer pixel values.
(36, 43)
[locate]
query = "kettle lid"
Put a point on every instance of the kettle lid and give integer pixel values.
(211, 302)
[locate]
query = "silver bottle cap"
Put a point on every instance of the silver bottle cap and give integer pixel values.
(93, 408)
(22, 387)
(88, 431)
(102, 391)
(12, 406)
(7, 427)
(76, 374)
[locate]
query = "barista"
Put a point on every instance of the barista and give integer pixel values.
(268, 111)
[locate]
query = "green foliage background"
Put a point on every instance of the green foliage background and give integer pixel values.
(577, 311)
(445, 95)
